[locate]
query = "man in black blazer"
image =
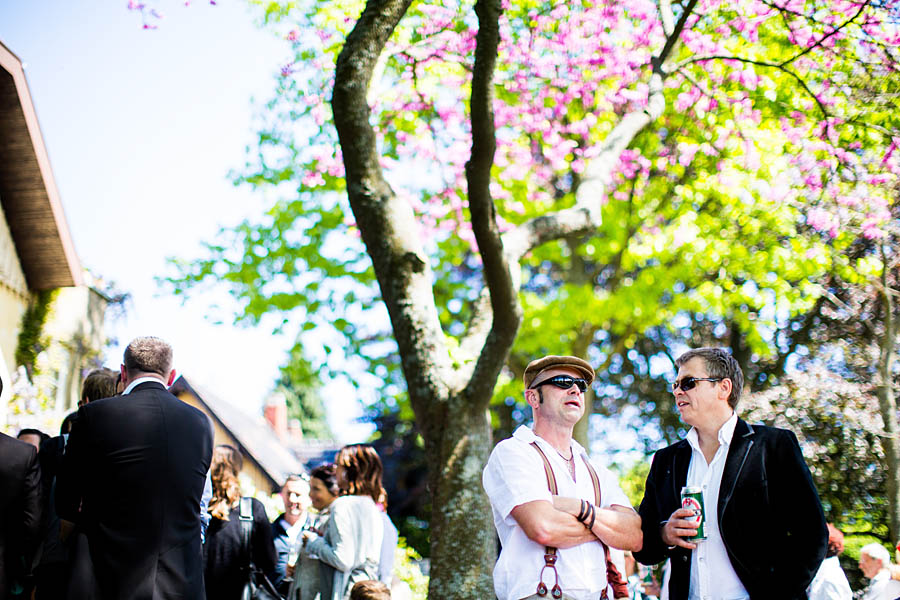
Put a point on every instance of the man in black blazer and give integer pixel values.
(766, 534)
(20, 512)
(136, 465)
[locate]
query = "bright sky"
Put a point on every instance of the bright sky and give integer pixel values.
(142, 128)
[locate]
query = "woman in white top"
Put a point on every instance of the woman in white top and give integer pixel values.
(350, 547)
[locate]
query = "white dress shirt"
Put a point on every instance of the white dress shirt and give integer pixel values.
(883, 587)
(514, 475)
(830, 583)
(712, 576)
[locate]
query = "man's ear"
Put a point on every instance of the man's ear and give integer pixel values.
(726, 387)
(171, 378)
(531, 398)
(124, 376)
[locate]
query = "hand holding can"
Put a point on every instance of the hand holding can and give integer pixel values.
(692, 499)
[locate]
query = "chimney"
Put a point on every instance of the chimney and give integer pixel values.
(275, 412)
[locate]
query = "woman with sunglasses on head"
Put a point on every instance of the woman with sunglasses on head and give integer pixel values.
(350, 546)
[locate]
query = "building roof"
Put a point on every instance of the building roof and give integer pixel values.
(257, 441)
(28, 194)
(313, 453)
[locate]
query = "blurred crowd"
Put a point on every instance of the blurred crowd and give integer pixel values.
(131, 500)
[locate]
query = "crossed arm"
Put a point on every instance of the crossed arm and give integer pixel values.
(556, 524)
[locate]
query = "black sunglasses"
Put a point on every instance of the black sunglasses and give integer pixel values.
(689, 383)
(563, 382)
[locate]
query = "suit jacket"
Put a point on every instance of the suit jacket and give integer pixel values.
(769, 514)
(20, 510)
(136, 465)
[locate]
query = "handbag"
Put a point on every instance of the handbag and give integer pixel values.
(258, 586)
(613, 577)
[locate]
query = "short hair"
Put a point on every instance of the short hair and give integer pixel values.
(363, 471)
(835, 541)
(66, 425)
(99, 383)
(325, 473)
(719, 363)
(370, 589)
(30, 431)
(292, 478)
(878, 552)
(148, 355)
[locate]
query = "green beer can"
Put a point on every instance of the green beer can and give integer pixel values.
(692, 498)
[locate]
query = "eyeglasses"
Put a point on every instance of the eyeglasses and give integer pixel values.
(689, 383)
(563, 382)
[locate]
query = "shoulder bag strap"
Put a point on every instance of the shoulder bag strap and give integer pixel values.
(550, 555)
(613, 577)
(246, 520)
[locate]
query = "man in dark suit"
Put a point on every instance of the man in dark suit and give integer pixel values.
(766, 534)
(20, 512)
(136, 465)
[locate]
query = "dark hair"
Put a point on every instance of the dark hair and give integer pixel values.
(370, 589)
(148, 355)
(719, 363)
(325, 474)
(363, 471)
(226, 463)
(29, 431)
(99, 383)
(67, 423)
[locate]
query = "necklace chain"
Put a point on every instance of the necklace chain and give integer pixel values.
(570, 459)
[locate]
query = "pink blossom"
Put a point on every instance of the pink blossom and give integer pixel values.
(686, 152)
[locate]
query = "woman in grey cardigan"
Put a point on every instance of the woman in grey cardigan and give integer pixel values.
(350, 547)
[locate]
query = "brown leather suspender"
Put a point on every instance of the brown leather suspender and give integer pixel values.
(613, 577)
(550, 555)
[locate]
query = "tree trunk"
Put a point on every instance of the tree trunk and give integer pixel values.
(463, 542)
(450, 398)
(891, 441)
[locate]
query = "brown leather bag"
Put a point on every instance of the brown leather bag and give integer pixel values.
(613, 577)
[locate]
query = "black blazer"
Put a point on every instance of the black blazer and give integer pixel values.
(137, 465)
(20, 510)
(224, 556)
(769, 514)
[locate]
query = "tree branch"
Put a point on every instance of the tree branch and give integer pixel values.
(387, 224)
(759, 63)
(585, 215)
(505, 308)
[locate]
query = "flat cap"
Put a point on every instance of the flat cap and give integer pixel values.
(536, 367)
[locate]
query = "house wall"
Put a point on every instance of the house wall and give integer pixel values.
(14, 296)
(221, 436)
(75, 326)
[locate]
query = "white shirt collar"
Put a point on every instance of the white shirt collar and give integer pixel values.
(138, 382)
(525, 434)
(726, 433)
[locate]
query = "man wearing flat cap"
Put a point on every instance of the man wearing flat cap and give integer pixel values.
(555, 544)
